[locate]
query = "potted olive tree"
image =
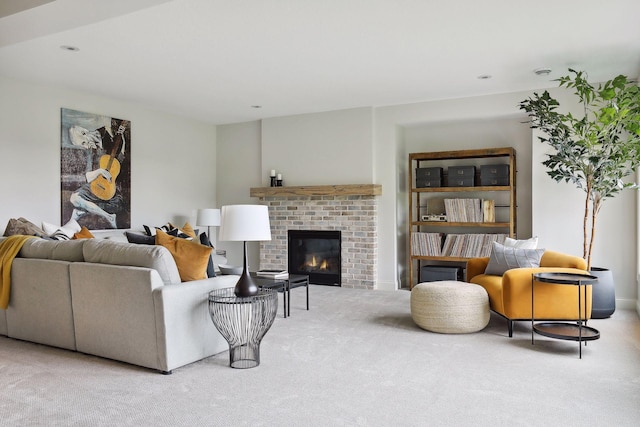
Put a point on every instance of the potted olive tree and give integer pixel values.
(595, 151)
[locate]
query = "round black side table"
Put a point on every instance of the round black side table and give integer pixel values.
(243, 322)
(578, 331)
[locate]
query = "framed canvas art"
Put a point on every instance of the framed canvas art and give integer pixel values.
(95, 170)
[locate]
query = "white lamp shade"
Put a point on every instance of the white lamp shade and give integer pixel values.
(245, 223)
(208, 217)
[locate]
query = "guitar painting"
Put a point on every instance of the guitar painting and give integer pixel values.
(95, 170)
(102, 187)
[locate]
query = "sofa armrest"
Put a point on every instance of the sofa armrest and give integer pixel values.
(476, 266)
(551, 301)
(185, 331)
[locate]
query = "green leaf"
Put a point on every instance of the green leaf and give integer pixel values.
(598, 149)
(607, 94)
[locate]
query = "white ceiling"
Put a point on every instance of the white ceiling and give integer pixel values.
(214, 59)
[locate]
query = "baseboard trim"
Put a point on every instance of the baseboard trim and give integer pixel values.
(628, 304)
(386, 285)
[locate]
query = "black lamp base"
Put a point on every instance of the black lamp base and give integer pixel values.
(246, 287)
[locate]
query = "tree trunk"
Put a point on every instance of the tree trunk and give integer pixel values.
(585, 223)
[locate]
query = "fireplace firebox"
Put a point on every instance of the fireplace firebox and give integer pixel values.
(317, 254)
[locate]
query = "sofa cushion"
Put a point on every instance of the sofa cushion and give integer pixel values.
(504, 258)
(190, 257)
(61, 250)
(122, 253)
(40, 307)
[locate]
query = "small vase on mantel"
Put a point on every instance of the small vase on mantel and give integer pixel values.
(603, 300)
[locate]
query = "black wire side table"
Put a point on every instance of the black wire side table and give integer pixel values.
(578, 331)
(243, 322)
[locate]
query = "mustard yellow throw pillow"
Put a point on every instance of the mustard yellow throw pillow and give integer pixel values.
(188, 230)
(191, 257)
(84, 233)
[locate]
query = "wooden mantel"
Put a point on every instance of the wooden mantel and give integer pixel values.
(318, 190)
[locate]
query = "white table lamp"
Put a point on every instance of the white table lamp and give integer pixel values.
(245, 223)
(209, 218)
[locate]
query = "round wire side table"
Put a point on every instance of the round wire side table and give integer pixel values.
(243, 322)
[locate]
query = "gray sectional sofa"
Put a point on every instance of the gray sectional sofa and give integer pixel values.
(116, 300)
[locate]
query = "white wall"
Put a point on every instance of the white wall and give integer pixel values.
(173, 158)
(238, 169)
(319, 149)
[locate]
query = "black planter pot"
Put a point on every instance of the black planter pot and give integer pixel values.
(603, 302)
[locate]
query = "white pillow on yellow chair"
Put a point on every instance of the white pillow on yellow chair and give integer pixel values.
(531, 243)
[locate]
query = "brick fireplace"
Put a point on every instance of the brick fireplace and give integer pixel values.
(351, 209)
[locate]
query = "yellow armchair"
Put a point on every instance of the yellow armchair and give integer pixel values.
(510, 294)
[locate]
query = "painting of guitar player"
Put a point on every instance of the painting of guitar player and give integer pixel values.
(95, 170)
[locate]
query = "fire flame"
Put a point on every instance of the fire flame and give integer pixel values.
(324, 265)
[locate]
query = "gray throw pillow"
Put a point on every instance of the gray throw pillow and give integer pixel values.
(504, 258)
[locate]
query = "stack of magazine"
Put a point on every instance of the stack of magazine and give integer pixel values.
(273, 274)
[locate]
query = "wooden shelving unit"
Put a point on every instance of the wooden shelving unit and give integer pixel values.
(418, 198)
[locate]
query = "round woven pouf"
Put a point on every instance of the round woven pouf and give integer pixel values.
(450, 307)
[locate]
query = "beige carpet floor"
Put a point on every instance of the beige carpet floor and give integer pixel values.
(355, 359)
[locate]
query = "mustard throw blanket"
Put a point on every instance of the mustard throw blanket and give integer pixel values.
(9, 248)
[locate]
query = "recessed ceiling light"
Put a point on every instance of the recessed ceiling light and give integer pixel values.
(484, 77)
(70, 48)
(542, 71)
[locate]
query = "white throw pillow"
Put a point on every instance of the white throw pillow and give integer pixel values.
(504, 258)
(531, 243)
(57, 232)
